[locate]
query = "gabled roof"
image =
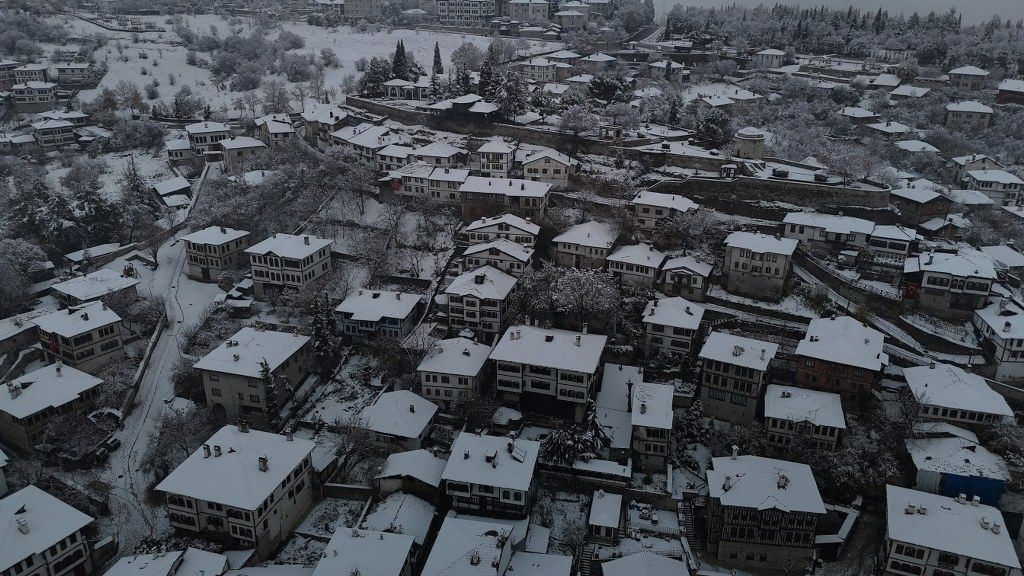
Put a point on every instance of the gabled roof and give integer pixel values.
(997, 176)
(844, 340)
(486, 282)
(419, 464)
(464, 538)
(551, 348)
(71, 322)
(675, 312)
(243, 353)
(739, 350)
(969, 71)
(505, 246)
(492, 461)
(764, 484)
(48, 519)
(374, 305)
(688, 263)
(638, 254)
(511, 220)
(214, 235)
(803, 405)
(401, 413)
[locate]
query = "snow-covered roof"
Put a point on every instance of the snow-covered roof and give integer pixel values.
(539, 564)
(177, 144)
(658, 199)
(910, 91)
(1011, 85)
(401, 413)
(802, 405)
(764, 484)
(969, 71)
(917, 194)
(891, 127)
(890, 232)
(563, 54)
(772, 52)
(50, 124)
(968, 264)
(857, 112)
(243, 353)
(365, 552)
(492, 461)
(830, 222)
(402, 513)
(970, 158)
(915, 146)
(207, 127)
(942, 523)
(234, 478)
(95, 285)
(459, 356)
(464, 538)
(546, 152)
(171, 185)
(956, 456)
(1005, 322)
(943, 429)
(276, 123)
(324, 114)
(652, 405)
(48, 521)
(48, 387)
(996, 176)
(486, 282)
(374, 305)
(506, 186)
(14, 325)
(241, 142)
(675, 312)
(214, 235)
(739, 350)
(71, 322)
(972, 106)
(591, 234)
(495, 146)
(1004, 255)
(688, 263)
(438, 150)
(638, 254)
(289, 245)
(844, 340)
(644, 563)
(190, 562)
(599, 57)
(484, 108)
(605, 509)
(886, 80)
(419, 464)
(948, 386)
(512, 249)
(664, 63)
(761, 243)
(551, 348)
(511, 220)
(616, 381)
(395, 151)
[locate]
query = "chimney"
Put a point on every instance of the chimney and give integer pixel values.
(578, 338)
(478, 279)
(243, 425)
(1006, 326)
(305, 240)
(727, 485)
(289, 435)
(465, 455)
(783, 481)
(85, 316)
(57, 368)
(762, 353)
(996, 527)
(735, 451)
(412, 409)
(264, 464)
(22, 525)
(206, 450)
(585, 327)
(976, 501)
(223, 230)
(234, 357)
(216, 451)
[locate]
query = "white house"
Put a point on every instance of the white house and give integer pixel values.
(452, 371)
(652, 208)
(505, 255)
(443, 184)
(799, 415)
(670, 325)
(204, 136)
(400, 420)
(374, 313)
(757, 264)
(103, 284)
(213, 250)
(87, 337)
(651, 417)
(685, 276)
(275, 129)
(1002, 327)
(827, 230)
(250, 486)
(493, 159)
(636, 265)
(1000, 186)
(508, 226)
(491, 474)
(35, 399)
(734, 372)
(950, 394)
(288, 262)
(548, 165)
(585, 245)
(43, 536)
(476, 301)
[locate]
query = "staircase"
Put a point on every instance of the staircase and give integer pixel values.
(686, 513)
(586, 558)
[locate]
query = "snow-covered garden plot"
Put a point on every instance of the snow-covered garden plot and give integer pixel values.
(303, 550)
(330, 514)
(565, 515)
(339, 401)
(792, 304)
(152, 168)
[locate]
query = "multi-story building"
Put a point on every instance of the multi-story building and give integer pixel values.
(757, 264)
(636, 265)
(551, 166)
(275, 129)
(955, 463)
(7, 73)
(491, 475)
(651, 418)
(366, 139)
(888, 249)
(769, 58)
(810, 418)
(585, 245)
(547, 370)
(74, 73)
(443, 184)
(320, 120)
(841, 355)
(570, 20)
(477, 301)
(539, 69)
(364, 9)
(44, 536)
(214, 250)
(440, 154)
(1010, 91)
(238, 149)
(1002, 337)
(734, 372)
(505, 255)
(670, 325)
(393, 157)
(488, 196)
(400, 420)
(948, 393)
(507, 226)
(233, 373)
(204, 136)
(919, 204)
(827, 231)
(411, 180)
(968, 78)
(670, 71)
(1000, 186)
(685, 276)
(359, 551)
(528, 10)
(968, 116)
(288, 262)
(248, 486)
(652, 208)
(465, 12)
(598, 63)
(763, 512)
(949, 285)
(53, 133)
(493, 159)
(87, 337)
(35, 399)
(103, 284)
(965, 164)
(379, 313)
(930, 534)
(34, 96)
(453, 371)
(31, 73)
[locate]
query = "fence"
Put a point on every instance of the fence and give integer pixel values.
(140, 372)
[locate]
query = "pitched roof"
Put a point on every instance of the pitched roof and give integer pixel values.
(645, 563)
(639, 254)
(802, 405)
(419, 464)
(506, 186)
(243, 353)
(590, 234)
(94, 285)
(48, 521)
(675, 312)
(492, 461)
(460, 356)
(739, 350)
(48, 387)
(830, 222)
(969, 71)
(511, 220)
(401, 413)
(761, 243)
(365, 552)
(503, 245)
(289, 245)
(764, 484)
(485, 282)
(374, 305)
(844, 340)
(956, 456)
(950, 386)
(402, 513)
(605, 509)
(652, 405)
(71, 322)
(214, 235)
(673, 201)
(551, 348)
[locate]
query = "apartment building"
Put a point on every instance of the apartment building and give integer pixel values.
(44, 536)
(841, 355)
(476, 300)
(453, 371)
(34, 400)
(244, 485)
(798, 416)
(763, 512)
(653, 208)
(547, 370)
(214, 250)
(491, 475)
(757, 264)
(379, 313)
(948, 393)
(734, 373)
(670, 325)
(507, 226)
(288, 262)
(585, 245)
(233, 377)
(465, 12)
(86, 337)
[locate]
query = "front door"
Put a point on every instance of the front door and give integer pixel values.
(206, 274)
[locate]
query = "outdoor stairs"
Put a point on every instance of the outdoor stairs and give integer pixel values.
(686, 511)
(586, 559)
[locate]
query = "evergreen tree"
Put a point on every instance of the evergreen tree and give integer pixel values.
(138, 202)
(438, 66)
(486, 84)
(400, 63)
(324, 349)
(465, 81)
(437, 89)
(37, 211)
(511, 95)
(100, 218)
(270, 394)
